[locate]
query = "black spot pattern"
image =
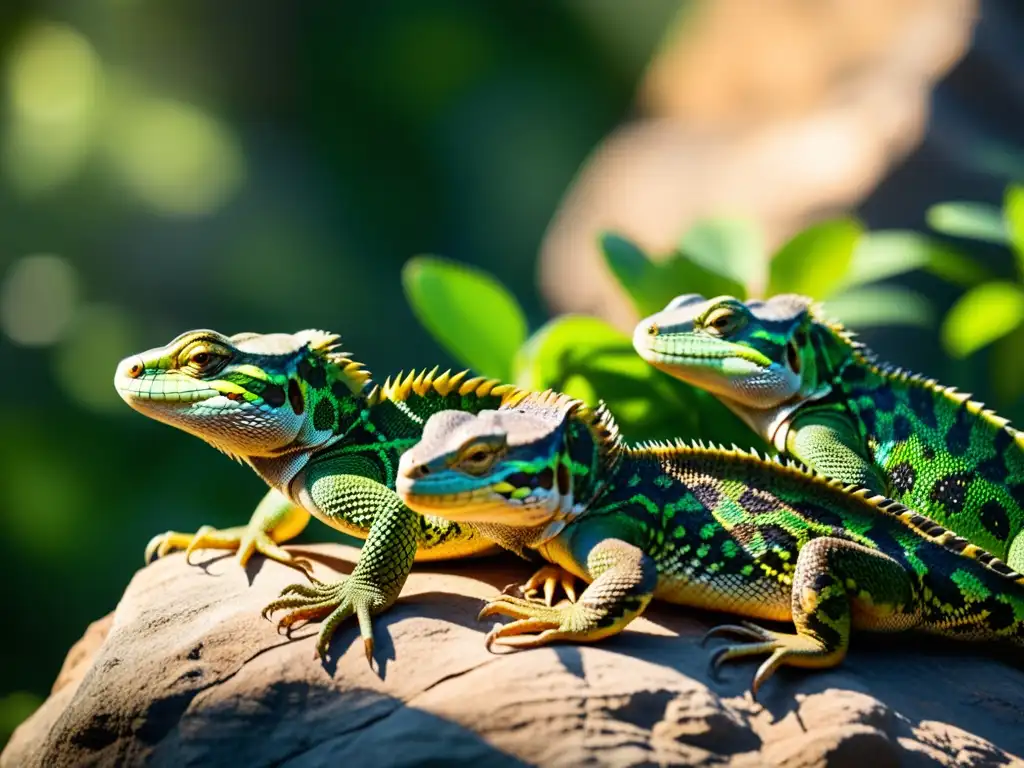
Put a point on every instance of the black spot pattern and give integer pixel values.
(1017, 492)
(546, 478)
(273, 395)
(994, 518)
(339, 390)
(295, 397)
(869, 419)
(323, 415)
(1002, 441)
(928, 452)
(314, 375)
(946, 591)
(903, 477)
(951, 491)
(959, 435)
(885, 399)
(901, 428)
(707, 495)
(756, 503)
(1000, 614)
(854, 374)
(994, 469)
(923, 405)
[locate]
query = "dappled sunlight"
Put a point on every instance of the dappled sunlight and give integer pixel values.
(38, 298)
(85, 360)
(55, 86)
(178, 160)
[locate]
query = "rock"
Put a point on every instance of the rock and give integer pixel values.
(187, 673)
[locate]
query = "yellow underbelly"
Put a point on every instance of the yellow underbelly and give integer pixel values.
(760, 599)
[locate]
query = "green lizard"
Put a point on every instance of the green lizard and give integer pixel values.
(817, 395)
(309, 420)
(707, 527)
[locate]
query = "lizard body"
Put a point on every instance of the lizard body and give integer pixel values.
(806, 386)
(708, 527)
(311, 422)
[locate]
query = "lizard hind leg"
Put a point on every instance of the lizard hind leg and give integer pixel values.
(834, 580)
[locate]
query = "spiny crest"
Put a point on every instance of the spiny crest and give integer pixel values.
(945, 538)
(864, 356)
(425, 382)
(327, 346)
(598, 421)
(605, 431)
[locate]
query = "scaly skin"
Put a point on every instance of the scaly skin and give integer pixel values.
(312, 424)
(699, 526)
(808, 388)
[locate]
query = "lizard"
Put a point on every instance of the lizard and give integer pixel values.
(702, 526)
(312, 423)
(808, 387)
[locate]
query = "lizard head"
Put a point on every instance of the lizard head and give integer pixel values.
(249, 395)
(509, 467)
(756, 355)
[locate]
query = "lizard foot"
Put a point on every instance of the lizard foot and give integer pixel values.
(550, 578)
(794, 650)
(537, 624)
(333, 602)
(245, 540)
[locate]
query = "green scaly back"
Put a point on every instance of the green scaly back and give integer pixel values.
(806, 385)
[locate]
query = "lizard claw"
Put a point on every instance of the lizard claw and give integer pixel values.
(332, 602)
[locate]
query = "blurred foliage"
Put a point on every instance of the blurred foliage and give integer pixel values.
(991, 308)
(836, 261)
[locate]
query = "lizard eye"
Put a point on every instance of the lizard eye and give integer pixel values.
(723, 321)
(478, 458)
(202, 359)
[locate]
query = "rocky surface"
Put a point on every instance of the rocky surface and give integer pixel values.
(187, 673)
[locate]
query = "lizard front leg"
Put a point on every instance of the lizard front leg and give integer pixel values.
(828, 444)
(384, 562)
(275, 520)
(623, 582)
(834, 580)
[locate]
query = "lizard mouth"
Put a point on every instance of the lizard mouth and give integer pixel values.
(681, 349)
(139, 388)
(476, 505)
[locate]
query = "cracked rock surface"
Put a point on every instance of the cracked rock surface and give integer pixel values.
(185, 672)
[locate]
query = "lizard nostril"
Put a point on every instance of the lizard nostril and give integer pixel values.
(652, 329)
(135, 369)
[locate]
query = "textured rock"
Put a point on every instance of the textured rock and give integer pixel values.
(189, 674)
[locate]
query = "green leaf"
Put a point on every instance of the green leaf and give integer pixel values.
(815, 262)
(651, 285)
(974, 221)
(981, 316)
(1006, 367)
(729, 247)
(880, 305)
(469, 312)
(887, 253)
(589, 359)
(1013, 212)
